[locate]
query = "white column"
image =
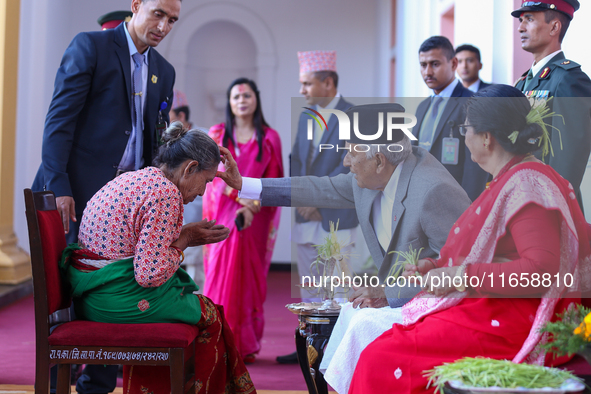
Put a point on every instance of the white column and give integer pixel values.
(383, 34)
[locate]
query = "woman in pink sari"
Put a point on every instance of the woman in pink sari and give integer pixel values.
(236, 269)
(526, 225)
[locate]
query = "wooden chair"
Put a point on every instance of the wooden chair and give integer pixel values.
(87, 342)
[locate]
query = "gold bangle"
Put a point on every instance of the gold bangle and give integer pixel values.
(181, 252)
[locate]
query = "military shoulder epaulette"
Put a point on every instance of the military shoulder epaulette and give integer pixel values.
(567, 64)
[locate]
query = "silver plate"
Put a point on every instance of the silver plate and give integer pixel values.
(569, 386)
(312, 308)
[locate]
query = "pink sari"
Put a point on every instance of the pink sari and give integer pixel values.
(236, 269)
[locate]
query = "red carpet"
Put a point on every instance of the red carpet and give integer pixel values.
(17, 336)
(17, 339)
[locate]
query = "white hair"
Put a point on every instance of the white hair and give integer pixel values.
(398, 153)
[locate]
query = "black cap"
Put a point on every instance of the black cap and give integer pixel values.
(368, 116)
(567, 7)
(112, 19)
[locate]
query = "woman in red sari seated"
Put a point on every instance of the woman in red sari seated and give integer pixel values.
(126, 266)
(236, 269)
(526, 225)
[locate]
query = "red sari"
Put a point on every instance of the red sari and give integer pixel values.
(528, 214)
(236, 269)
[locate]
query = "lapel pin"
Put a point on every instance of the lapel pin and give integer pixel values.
(545, 73)
(154, 79)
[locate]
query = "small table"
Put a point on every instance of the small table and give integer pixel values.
(311, 337)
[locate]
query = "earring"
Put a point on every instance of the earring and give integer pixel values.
(486, 144)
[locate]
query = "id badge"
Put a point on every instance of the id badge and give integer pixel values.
(160, 126)
(450, 151)
(160, 129)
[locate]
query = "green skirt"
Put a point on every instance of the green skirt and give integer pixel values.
(112, 295)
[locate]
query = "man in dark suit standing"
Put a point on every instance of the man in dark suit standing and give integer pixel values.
(91, 120)
(111, 90)
(318, 84)
(92, 132)
(542, 27)
(439, 116)
(469, 66)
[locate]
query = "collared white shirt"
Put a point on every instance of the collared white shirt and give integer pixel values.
(537, 67)
(475, 86)
(133, 50)
(382, 209)
(449, 89)
(318, 132)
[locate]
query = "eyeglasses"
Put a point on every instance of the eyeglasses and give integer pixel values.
(464, 129)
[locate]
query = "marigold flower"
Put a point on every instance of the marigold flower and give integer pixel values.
(577, 330)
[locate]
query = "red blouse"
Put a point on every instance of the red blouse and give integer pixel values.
(532, 243)
(139, 214)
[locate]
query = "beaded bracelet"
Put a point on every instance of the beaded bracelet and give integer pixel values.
(234, 195)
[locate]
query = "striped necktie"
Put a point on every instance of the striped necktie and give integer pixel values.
(138, 60)
(428, 128)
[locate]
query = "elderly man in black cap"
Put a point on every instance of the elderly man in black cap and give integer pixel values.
(542, 27)
(402, 195)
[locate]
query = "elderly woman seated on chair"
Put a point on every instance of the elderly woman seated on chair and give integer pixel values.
(131, 242)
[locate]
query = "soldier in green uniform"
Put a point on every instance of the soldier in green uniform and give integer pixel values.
(542, 27)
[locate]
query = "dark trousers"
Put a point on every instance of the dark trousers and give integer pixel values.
(95, 379)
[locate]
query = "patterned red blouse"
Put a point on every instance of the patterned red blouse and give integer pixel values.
(139, 214)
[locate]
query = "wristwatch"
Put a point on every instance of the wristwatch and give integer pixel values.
(460, 272)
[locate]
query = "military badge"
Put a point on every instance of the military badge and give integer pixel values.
(537, 97)
(545, 73)
(537, 94)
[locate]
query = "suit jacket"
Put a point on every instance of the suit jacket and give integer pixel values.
(571, 88)
(89, 119)
(483, 85)
(466, 172)
(327, 163)
(427, 203)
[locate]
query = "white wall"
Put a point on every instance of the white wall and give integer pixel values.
(284, 27)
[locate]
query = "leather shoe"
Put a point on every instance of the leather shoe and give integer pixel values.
(291, 358)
